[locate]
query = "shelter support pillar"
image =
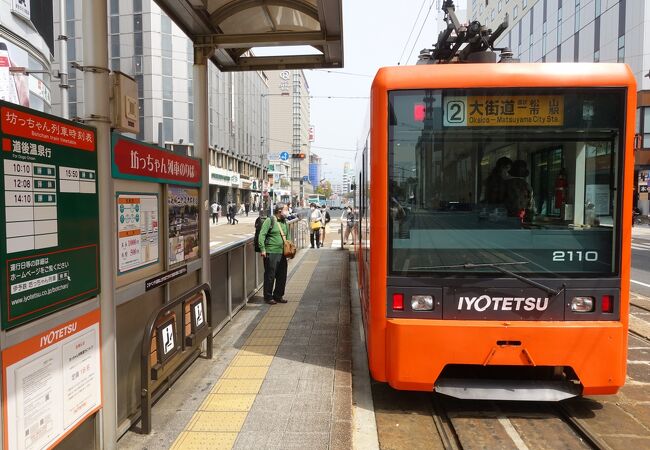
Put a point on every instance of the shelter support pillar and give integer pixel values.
(96, 114)
(201, 150)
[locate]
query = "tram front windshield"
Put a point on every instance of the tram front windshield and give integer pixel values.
(525, 179)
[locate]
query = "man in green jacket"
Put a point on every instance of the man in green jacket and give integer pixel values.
(271, 249)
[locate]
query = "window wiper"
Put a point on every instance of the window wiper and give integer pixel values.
(499, 266)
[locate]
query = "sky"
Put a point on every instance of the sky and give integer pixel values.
(375, 34)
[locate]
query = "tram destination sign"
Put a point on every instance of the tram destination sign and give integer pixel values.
(50, 238)
(503, 111)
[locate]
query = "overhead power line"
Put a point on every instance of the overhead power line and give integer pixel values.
(411, 33)
(419, 32)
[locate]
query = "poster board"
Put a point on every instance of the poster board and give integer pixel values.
(50, 245)
(138, 221)
(51, 383)
(183, 224)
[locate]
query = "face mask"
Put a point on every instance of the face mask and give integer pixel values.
(312, 208)
(284, 214)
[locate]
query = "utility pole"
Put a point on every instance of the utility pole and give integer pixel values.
(63, 60)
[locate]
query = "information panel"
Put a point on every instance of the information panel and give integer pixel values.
(52, 383)
(183, 210)
(49, 240)
(137, 230)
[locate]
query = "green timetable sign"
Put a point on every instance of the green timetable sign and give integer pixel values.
(50, 241)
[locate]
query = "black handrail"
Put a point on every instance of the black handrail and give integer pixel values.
(145, 369)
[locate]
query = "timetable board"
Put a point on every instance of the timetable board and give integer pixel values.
(49, 237)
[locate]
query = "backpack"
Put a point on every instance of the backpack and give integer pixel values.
(258, 227)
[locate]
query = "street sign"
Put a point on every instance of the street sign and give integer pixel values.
(284, 156)
(305, 178)
(50, 244)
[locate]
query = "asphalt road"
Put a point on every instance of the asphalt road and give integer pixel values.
(640, 275)
(222, 233)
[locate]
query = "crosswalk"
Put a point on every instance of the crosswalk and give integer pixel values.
(641, 246)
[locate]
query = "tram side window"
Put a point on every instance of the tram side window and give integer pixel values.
(529, 195)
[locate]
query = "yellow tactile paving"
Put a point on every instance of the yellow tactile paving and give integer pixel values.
(221, 416)
(266, 333)
(245, 373)
(264, 341)
(217, 421)
(228, 386)
(248, 361)
(272, 326)
(258, 350)
(228, 402)
(191, 440)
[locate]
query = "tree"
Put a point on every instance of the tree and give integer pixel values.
(325, 188)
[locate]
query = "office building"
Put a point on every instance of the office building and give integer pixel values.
(289, 126)
(147, 46)
(582, 31)
(26, 46)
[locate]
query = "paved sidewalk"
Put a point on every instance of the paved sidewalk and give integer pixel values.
(281, 377)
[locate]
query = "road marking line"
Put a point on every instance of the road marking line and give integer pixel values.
(642, 284)
(512, 433)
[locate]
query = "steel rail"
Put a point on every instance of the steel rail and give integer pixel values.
(445, 427)
(578, 427)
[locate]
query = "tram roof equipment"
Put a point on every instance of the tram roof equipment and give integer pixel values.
(478, 41)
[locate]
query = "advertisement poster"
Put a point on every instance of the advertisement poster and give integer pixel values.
(50, 241)
(137, 230)
(183, 210)
(16, 87)
(52, 383)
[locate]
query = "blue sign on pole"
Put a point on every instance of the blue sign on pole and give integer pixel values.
(305, 178)
(284, 156)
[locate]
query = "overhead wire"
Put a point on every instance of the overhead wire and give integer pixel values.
(420, 32)
(411, 33)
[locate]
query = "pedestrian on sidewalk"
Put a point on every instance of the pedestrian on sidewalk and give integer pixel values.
(271, 244)
(324, 222)
(216, 209)
(246, 208)
(315, 223)
(228, 211)
(233, 213)
(349, 220)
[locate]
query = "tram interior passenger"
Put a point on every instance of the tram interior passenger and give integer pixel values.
(539, 195)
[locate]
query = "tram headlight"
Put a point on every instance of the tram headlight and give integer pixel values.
(582, 304)
(421, 303)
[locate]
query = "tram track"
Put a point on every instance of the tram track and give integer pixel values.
(465, 425)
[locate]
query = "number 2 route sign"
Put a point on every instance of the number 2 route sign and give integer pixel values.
(50, 241)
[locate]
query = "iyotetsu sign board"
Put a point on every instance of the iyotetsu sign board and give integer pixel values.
(134, 160)
(51, 383)
(49, 211)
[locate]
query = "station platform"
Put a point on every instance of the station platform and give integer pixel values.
(281, 375)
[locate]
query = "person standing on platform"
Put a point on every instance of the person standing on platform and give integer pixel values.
(315, 223)
(271, 245)
(325, 221)
(349, 220)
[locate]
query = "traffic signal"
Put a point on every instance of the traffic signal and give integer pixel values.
(298, 156)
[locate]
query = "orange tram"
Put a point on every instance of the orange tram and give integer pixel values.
(493, 250)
